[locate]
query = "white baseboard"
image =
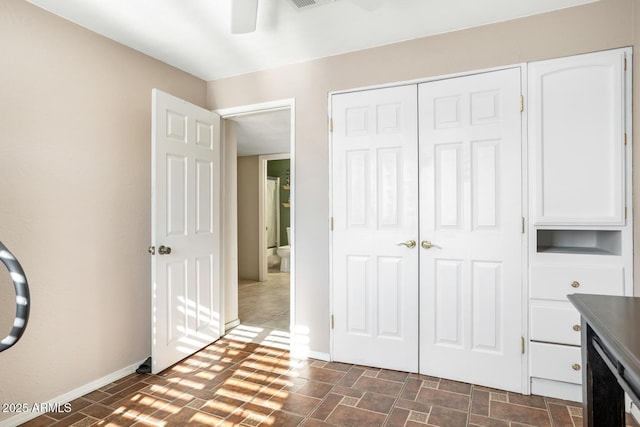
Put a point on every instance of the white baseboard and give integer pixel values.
(231, 325)
(302, 352)
(325, 357)
(68, 397)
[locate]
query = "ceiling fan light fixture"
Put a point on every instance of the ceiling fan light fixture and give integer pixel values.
(244, 14)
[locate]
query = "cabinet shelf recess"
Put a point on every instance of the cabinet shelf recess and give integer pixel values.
(585, 242)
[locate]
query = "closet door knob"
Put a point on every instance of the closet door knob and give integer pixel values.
(575, 367)
(164, 250)
(576, 328)
(426, 244)
(575, 284)
(409, 243)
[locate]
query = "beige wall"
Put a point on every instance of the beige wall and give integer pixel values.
(597, 26)
(248, 221)
(75, 130)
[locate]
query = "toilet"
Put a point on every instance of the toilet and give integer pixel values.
(284, 252)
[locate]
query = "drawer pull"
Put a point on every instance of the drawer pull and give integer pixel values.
(575, 367)
(575, 284)
(576, 328)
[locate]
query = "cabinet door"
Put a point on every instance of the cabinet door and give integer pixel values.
(577, 137)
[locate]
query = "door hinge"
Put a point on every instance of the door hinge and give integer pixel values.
(625, 212)
(522, 344)
(625, 62)
(332, 321)
(521, 103)
(330, 124)
(331, 223)
(625, 139)
(522, 224)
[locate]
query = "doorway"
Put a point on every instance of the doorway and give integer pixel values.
(259, 284)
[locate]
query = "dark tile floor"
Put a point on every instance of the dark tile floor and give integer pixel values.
(238, 383)
(241, 381)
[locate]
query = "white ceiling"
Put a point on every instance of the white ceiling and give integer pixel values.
(263, 133)
(195, 36)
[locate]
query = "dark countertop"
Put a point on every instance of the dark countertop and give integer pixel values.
(616, 322)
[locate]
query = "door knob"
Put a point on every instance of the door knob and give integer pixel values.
(152, 250)
(164, 250)
(426, 244)
(409, 243)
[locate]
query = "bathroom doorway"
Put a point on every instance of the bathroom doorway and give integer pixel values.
(275, 171)
(259, 301)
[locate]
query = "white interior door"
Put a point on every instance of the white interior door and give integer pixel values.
(185, 229)
(470, 226)
(375, 211)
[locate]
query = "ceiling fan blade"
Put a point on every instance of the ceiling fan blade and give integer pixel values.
(243, 16)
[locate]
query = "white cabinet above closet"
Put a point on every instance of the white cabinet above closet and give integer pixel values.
(577, 134)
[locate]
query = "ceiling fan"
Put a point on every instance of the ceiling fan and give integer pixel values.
(245, 12)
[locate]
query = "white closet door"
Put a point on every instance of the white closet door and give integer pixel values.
(576, 135)
(470, 213)
(375, 212)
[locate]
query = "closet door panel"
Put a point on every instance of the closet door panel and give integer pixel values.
(485, 157)
(375, 217)
(487, 310)
(448, 307)
(448, 185)
(471, 297)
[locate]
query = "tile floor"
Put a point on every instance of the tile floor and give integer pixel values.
(249, 378)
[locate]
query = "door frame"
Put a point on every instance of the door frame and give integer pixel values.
(526, 386)
(229, 113)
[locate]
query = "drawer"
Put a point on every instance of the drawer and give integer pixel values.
(556, 362)
(555, 323)
(555, 282)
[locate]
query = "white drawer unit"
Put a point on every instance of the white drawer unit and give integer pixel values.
(556, 362)
(557, 389)
(556, 281)
(559, 323)
(580, 219)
